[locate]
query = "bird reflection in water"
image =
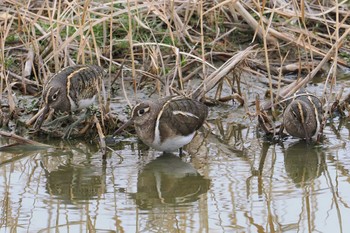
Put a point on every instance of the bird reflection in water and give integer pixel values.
(169, 180)
(74, 180)
(304, 163)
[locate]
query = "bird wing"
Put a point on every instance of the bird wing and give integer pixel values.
(183, 116)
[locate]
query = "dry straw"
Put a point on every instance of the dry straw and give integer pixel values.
(185, 47)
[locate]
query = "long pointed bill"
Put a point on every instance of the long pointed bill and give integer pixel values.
(129, 122)
(307, 137)
(41, 118)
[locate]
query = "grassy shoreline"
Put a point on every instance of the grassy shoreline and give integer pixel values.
(165, 46)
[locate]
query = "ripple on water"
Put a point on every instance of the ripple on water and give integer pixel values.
(216, 189)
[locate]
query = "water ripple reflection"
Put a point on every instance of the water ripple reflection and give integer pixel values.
(230, 180)
(168, 180)
(304, 163)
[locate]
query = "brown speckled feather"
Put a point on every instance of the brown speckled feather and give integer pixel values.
(182, 117)
(167, 123)
(302, 117)
(65, 90)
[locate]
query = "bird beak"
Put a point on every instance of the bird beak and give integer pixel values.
(41, 118)
(129, 122)
(307, 137)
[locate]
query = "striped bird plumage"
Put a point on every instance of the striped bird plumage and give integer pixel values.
(168, 123)
(71, 89)
(302, 117)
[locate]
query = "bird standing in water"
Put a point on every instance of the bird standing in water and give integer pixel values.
(302, 117)
(169, 123)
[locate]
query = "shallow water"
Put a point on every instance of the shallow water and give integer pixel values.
(229, 180)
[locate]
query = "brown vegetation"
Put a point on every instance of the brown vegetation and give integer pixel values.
(167, 46)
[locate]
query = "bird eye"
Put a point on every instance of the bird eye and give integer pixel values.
(142, 111)
(54, 96)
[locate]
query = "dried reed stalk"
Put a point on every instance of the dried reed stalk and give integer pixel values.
(172, 43)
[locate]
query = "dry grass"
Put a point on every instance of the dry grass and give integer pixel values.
(170, 45)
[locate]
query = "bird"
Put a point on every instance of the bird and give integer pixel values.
(168, 123)
(72, 88)
(302, 118)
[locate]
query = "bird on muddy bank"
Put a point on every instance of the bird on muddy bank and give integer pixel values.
(72, 88)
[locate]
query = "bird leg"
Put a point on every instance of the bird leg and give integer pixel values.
(280, 132)
(70, 127)
(56, 121)
(180, 152)
(89, 112)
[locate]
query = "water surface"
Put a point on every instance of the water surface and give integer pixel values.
(229, 180)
